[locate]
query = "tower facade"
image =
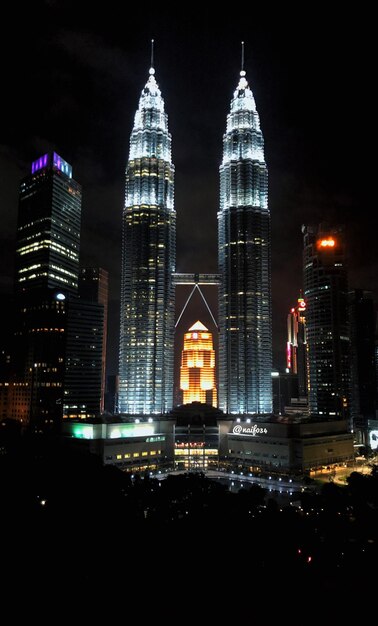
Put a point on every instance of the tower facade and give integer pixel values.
(296, 347)
(47, 270)
(83, 359)
(362, 320)
(48, 228)
(197, 372)
(94, 286)
(148, 262)
(245, 341)
(326, 295)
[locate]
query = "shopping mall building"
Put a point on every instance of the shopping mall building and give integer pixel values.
(198, 436)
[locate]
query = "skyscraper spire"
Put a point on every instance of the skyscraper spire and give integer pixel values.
(245, 343)
(148, 261)
(152, 54)
(242, 58)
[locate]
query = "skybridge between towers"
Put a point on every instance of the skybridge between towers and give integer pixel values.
(196, 280)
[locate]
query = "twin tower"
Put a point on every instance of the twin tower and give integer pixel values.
(147, 324)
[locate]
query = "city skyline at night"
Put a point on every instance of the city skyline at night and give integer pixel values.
(80, 98)
(189, 345)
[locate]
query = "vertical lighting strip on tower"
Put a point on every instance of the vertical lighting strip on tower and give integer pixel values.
(148, 262)
(245, 346)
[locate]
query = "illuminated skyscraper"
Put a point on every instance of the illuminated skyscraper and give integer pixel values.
(197, 372)
(245, 341)
(296, 347)
(48, 228)
(148, 262)
(326, 295)
(47, 269)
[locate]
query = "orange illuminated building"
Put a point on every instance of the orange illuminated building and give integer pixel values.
(197, 372)
(329, 242)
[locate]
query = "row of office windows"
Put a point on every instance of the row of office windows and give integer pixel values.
(134, 455)
(257, 454)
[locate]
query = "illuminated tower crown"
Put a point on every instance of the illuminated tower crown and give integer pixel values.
(197, 372)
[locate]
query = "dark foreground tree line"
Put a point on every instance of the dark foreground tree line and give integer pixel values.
(68, 521)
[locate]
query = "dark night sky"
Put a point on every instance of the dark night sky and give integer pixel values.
(74, 84)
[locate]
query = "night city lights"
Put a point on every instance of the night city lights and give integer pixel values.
(189, 346)
(326, 243)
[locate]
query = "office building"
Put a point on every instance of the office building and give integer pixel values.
(47, 268)
(284, 390)
(94, 287)
(111, 394)
(326, 296)
(245, 324)
(83, 359)
(48, 227)
(39, 363)
(296, 347)
(148, 262)
(197, 371)
(362, 319)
